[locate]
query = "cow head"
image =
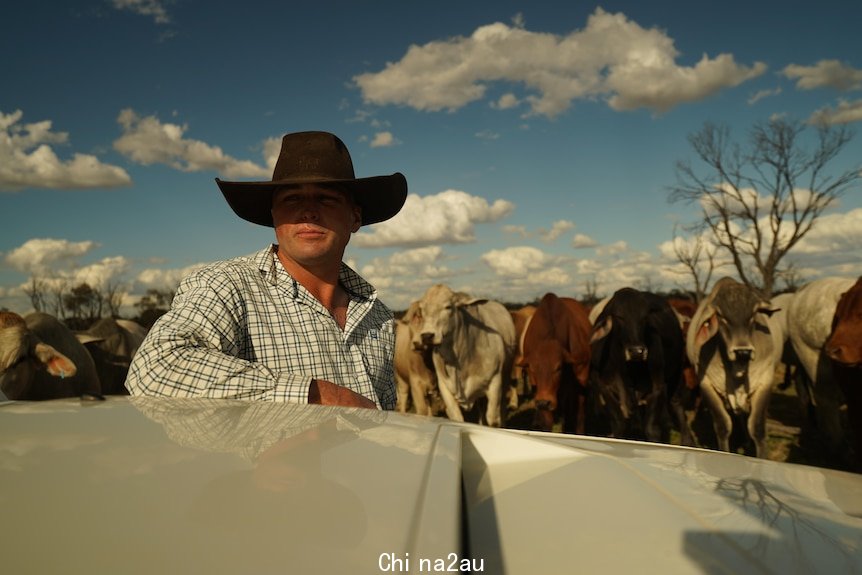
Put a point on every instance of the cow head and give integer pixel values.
(627, 316)
(845, 342)
(22, 353)
(547, 364)
(733, 313)
(438, 315)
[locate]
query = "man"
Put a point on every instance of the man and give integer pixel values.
(291, 322)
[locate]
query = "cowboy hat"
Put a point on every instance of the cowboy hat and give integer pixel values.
(316, 158)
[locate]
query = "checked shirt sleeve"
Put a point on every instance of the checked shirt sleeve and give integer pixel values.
(196, 350)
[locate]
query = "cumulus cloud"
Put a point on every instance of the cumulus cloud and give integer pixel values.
(612, 58)
(40, 256)
(613, 249)
(383, 140)
(153, 8)
(833, 233)
(527, 264)
(448, 217)
(583, 241)
(147, 141)
(102, 273)
(825, 74)
(27, 160)
(164, 279)
(557, 229)
(506, 102)
(844, 113)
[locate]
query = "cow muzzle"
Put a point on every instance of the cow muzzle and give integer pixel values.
(740, 358)
(636, 353)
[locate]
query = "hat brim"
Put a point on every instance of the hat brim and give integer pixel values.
(380, 197)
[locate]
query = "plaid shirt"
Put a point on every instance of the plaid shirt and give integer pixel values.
(245, 329)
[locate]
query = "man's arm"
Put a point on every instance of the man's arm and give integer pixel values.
(188, 354)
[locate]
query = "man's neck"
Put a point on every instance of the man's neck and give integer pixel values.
(322, 283)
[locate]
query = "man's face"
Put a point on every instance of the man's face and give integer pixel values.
(313, 223)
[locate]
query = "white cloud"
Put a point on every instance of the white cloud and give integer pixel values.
(613, 249)
(487, 135)
(154, 278)
(383, 140)
(506, 102)
(152, 8)
(526, 265)
(833, 233)
(148, 141)
(447, 217)
(27, 160)
(41, 256)
(844, 113)
(557, 229)
(825, 74)
(612, 57)
(583, 241)
(761, 94)
(100, 274)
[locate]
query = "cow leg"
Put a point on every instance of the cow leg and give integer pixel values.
(417, 394)
(494, 412)
(677, 408)
(757, 419)
(721, 420)
(402, 389)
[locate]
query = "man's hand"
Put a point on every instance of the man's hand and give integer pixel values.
(324, 392)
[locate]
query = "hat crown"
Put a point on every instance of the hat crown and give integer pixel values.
(313, 156)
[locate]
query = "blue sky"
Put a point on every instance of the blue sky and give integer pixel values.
(538, 138)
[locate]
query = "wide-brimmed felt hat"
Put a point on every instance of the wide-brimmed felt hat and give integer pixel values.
(316, 158)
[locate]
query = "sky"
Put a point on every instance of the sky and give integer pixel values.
(539, 139)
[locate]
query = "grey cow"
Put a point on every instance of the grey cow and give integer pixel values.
(734, 345)
(113, 343)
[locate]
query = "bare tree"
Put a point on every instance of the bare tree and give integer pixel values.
(58, 293)
(112, 296)
(37, 291)
(760, 199)
(699, 261)
(591, 287)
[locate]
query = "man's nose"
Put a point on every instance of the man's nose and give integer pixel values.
(309, 210)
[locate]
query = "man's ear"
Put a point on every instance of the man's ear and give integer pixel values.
(357, 219)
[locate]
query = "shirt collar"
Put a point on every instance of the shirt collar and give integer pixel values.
(270, 267)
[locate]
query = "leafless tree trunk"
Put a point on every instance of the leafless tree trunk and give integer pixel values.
(37, 291)
(760, 199)
(113, 298)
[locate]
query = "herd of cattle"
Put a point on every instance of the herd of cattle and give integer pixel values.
(636, 365)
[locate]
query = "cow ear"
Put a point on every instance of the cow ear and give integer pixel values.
(472, 301)
(522, 362)
(86, 338)
(53, 361)
(602, 329)
(707, 329)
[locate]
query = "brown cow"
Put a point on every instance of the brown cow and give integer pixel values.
(41, 359)
(556, 356)
(844, 348)
(521, 318)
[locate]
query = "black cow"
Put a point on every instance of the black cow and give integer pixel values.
(636, 368)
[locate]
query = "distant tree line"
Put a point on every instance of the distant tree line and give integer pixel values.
(82, 305)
